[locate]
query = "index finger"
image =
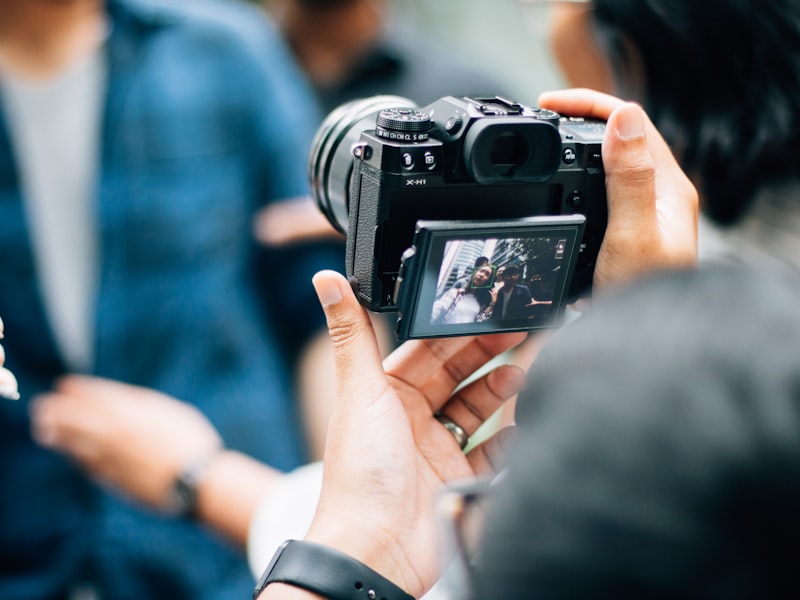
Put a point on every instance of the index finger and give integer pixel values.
(580, 102)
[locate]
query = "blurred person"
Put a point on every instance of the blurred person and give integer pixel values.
(730, 111)
(467, 304)
(137, 138)
(357, 48)
(352, 49)
(138, 449)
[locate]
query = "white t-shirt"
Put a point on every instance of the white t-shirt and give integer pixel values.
(55, 129)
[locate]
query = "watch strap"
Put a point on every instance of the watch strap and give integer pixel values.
(183, 495)
(327, 572)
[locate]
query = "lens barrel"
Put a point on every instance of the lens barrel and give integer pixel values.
(330, 162)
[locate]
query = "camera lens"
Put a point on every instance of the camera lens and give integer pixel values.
(331, 160)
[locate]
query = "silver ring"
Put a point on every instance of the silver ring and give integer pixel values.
(455, 429)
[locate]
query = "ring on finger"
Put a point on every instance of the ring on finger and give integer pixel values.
(458, 433)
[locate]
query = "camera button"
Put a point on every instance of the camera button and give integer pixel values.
(407, 160)
(452, 125)
(430, 161)
(568, 156)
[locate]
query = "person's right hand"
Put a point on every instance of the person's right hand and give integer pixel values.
(652, 205)
(134, 438)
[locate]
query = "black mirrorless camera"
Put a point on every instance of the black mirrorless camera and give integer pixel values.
(425, 195)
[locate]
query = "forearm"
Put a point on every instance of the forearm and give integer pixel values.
(231, 490)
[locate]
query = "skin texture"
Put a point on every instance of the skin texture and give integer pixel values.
(573, 46)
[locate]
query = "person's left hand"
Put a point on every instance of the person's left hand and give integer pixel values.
(134, 438)
(387, 455)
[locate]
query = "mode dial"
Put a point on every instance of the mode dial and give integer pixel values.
(403, 124)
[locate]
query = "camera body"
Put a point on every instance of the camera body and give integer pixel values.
(420, 191)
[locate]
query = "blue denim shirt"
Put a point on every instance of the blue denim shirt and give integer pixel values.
(202, 124)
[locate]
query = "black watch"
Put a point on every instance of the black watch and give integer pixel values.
(327, 572)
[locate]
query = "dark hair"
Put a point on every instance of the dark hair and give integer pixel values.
(512, 270)
(481, 294)
(658, 452)
(722, 83)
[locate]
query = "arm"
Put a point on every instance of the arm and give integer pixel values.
(137, 441)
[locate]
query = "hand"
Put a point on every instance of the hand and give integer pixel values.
(8, 383)
(134, 438)
(386, 455)
(290, 221)
(652, 205)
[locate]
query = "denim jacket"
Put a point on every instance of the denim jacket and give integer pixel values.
(206, 118)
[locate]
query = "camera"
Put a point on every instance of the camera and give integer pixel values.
(426, 195)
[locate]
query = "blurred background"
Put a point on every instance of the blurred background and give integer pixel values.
(505, 37)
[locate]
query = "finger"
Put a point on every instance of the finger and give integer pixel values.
(2, 328)
(291, 221)
(91, 388)
(356, 352)
(436, 367)
(489, 457)
(652, 206)
(61, 423)
(630, 170)
(472, 405)
(580, 102)
(8, 384)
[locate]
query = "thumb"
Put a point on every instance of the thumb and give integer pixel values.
(359, 367)
(630, 170)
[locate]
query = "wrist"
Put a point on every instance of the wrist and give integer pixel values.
(183, 494)
(325, 571)
(379, 554)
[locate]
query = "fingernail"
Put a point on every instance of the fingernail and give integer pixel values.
(327, 290)
(630, 124)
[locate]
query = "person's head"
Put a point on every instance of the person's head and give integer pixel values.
(658, 451)
(480, 261)
(720, 78)
(511, 274)
(482, 277)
